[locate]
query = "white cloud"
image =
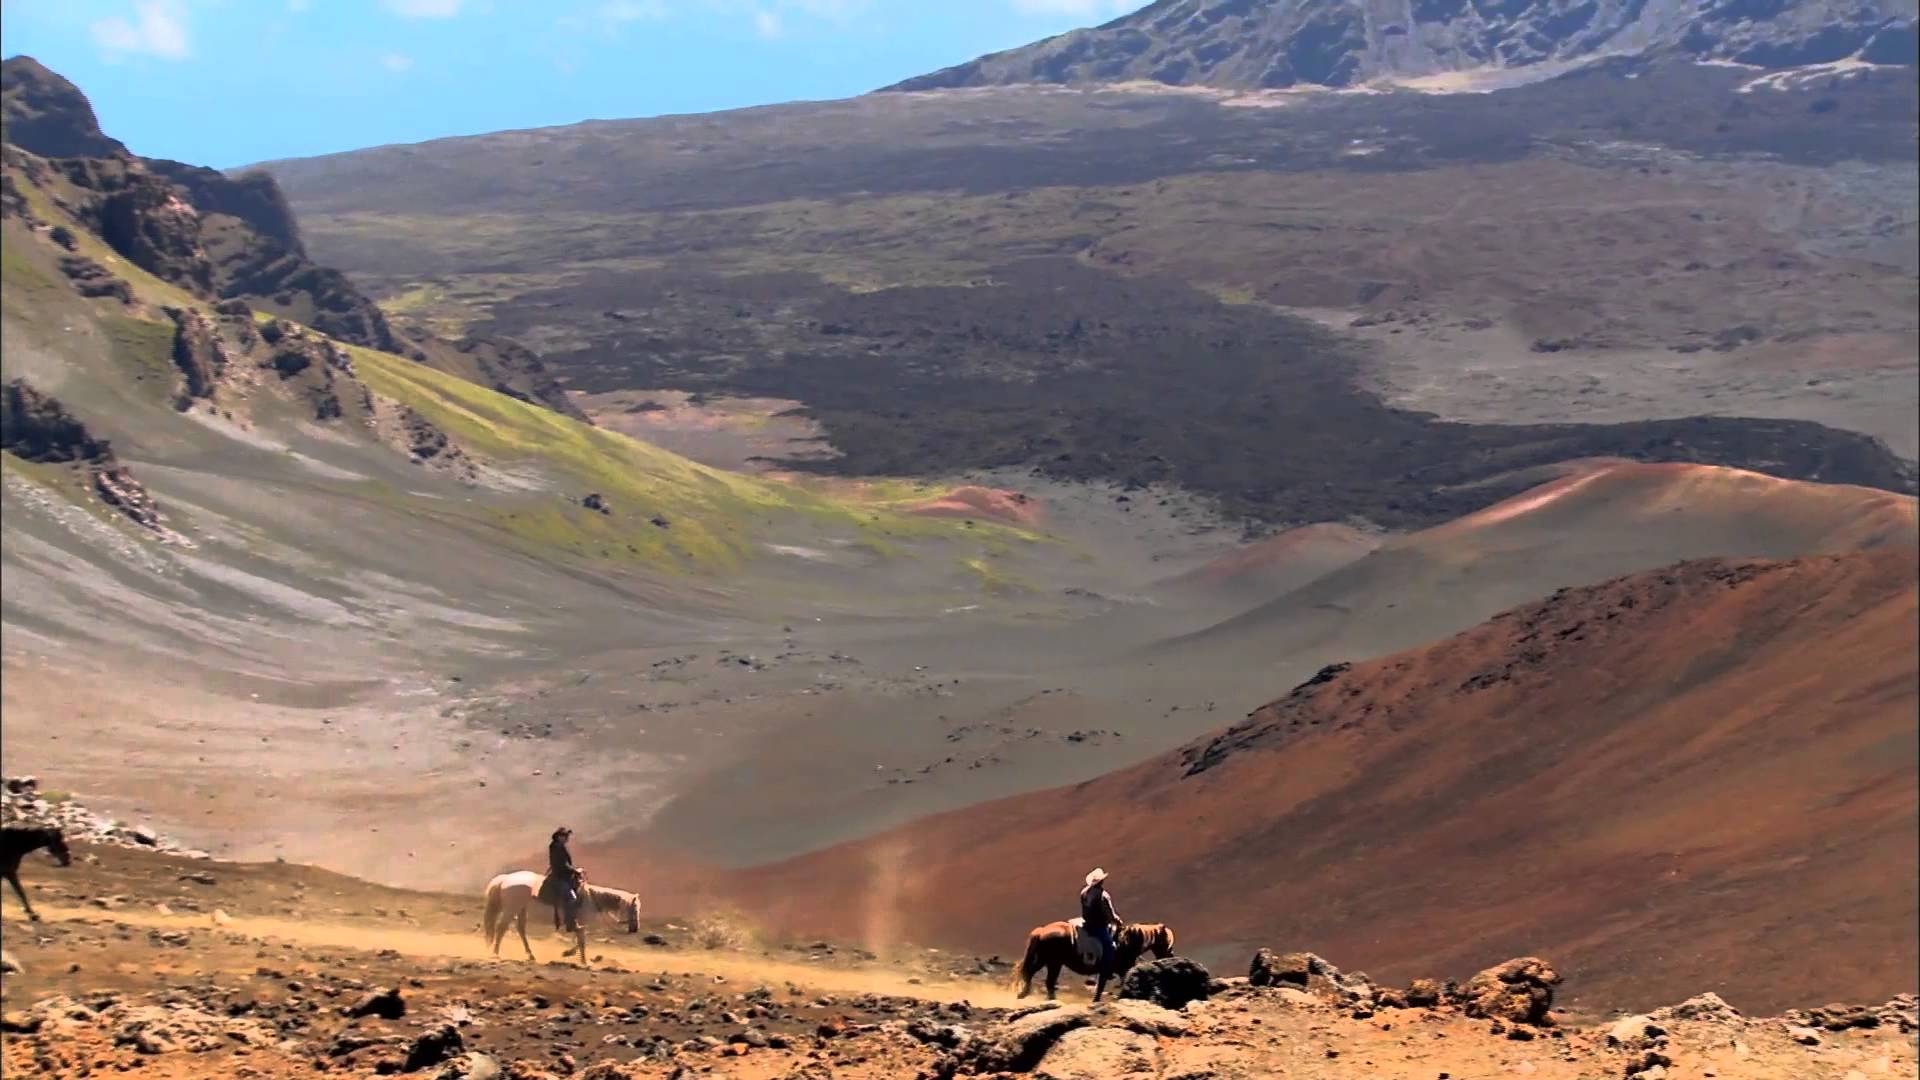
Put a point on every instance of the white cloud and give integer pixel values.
(424, 9)
(394, 61)
(158, 28)
(767, 24)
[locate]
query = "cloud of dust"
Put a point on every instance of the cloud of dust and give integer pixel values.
(882, 921)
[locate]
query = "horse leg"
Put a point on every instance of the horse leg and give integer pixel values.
(1101, 986)
(1053, 980)
(13, 879)
(520, 923)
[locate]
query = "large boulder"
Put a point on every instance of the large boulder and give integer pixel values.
(1098, 1054)
(1142, 1017)
(1020, 1043)
(1519, 991)
(1169, 983)
(1297, 969)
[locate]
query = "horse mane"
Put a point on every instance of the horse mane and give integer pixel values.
(607, 898)
(1144, 936)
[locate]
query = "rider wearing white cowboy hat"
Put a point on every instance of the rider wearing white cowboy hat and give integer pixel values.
(1097, 912)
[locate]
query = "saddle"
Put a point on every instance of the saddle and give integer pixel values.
(1084, 942)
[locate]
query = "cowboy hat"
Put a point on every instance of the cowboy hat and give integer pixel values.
(1097, 876)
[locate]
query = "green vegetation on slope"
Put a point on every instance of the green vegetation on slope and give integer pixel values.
(664, 509)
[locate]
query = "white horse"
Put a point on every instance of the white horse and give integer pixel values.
(510, 895)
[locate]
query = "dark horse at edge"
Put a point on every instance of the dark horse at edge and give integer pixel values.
(1052, 947)
(19, 841)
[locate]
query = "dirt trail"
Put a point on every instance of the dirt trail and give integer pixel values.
(609, 955)
(184, 968)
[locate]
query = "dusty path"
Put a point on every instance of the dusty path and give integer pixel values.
(610, 955)
(172, 968)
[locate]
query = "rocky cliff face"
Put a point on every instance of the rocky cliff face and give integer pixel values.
(1249, 44)
(37, 428)
(221, 237)
(48, 115)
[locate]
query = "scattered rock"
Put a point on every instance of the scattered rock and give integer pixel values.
(1169, 983)
(1634, 1033)
(432, 1046)
(22, 803)
(387, 1004)
(1707, 1006)
(1519, 991)
(165, 1029)
(471, 1066)
(1289, 969)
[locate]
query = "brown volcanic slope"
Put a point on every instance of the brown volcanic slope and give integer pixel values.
(1697, 777)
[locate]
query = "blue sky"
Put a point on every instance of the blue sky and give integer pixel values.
(231, 82)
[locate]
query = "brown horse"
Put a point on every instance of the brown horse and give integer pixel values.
(1052, 947)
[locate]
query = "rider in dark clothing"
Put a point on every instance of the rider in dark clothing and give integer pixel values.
(1096, 910)
(563, 879)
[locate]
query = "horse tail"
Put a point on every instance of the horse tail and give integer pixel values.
(494, 904)
(1030, 964)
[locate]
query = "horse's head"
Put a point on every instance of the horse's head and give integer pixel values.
(57, 847)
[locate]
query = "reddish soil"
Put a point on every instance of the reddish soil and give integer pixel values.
(992, 504)
(1701, 777)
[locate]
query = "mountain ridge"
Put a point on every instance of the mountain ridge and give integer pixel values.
(228, 238)
(1278, 44)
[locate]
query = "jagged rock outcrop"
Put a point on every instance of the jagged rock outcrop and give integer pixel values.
(144, 219)
(315, 367)
(47, 115)
(501, 365)
(222, 237)
(1248, 44)
(36, 427)
(198, 353)
(92, 280)
(252, 197)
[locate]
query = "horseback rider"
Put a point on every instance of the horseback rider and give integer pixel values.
(1097, 913)
(563, 879)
